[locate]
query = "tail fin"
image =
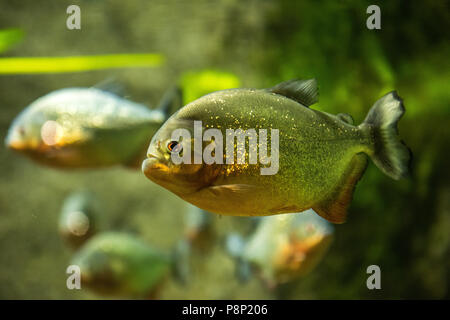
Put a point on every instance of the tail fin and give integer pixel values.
(390, 154)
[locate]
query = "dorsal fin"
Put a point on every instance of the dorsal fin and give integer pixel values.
(171, 101)
(302, 91)
(111, 85)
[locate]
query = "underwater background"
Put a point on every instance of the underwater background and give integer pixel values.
(401, 226)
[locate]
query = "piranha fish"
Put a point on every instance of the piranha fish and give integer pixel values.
(282, 248)
(316, 158)
(79, 218)
(86, 128)
(119, 264)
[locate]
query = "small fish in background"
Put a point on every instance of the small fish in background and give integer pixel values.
(316, 165)
(87, 128)
(79, 218)
(199, 229)
(282, 248)
(118, 264)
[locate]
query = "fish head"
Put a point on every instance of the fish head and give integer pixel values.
(24, 133)
(98, 272)
(100, 268)
(35, 131)
(75, 227)
(41, 132)
(171, 161)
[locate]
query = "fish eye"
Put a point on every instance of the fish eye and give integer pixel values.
(21, 131)
(174, 147)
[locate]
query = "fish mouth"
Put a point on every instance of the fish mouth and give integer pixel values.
(15, 144)
(151, 165)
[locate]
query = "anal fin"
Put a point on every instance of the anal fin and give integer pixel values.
(334, 208)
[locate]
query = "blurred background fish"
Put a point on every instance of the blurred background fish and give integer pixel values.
(86, 127)
(282, 248)
(121, 265)
(79, 219)
(199, 228)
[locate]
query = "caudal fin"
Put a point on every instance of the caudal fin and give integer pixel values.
(390, 154)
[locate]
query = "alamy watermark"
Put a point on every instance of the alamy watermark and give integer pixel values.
(74, 279)
(74, 20)
(374, 280)
(214, 152)
(374, 20)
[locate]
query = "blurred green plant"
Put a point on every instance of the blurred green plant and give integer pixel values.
(196, 84)
(9, 38)
(16, 65)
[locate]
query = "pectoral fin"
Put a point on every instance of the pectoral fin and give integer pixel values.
(285, 209)
(231, 191)
(231, 199)
(334, 207)
(111, 85)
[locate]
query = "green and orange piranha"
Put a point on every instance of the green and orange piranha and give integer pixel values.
(282, 248)
(119, 264)
(320, 156)
(87, 128)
